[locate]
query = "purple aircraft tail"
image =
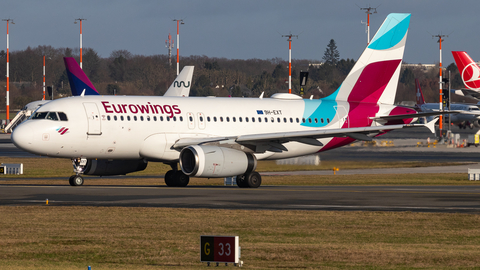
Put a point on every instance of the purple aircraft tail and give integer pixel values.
(79, 82)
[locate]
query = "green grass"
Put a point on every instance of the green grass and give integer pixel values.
(49, 237)
(74, 237)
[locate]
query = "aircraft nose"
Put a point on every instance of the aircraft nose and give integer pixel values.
(22, 137)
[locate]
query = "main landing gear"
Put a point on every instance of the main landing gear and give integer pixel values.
(175, 177)
(78, 167)
(249, 180)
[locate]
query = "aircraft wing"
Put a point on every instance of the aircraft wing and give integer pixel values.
(420, 114)
(310, 137)
(467, 93)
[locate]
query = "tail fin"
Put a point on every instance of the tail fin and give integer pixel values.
(181, 86)
(468, 69)
(79, 82)
(420, 99)
(374, 77)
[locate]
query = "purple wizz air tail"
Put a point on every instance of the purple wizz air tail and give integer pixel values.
(79, 82)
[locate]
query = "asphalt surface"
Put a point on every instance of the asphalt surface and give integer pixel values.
(452, 199)
(448, 199)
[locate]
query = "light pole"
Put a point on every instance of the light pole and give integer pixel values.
(8, 70)
(80, 19)
(178, 42)
(290, 60)
(368, 11)
(440, 120)
(43, 78)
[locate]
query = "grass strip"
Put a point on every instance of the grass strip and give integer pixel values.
(49, 237)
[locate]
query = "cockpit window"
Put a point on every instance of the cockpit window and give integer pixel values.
(63, 116)
(473, 109)
(55, 116)
(52, 116)
(39, 115)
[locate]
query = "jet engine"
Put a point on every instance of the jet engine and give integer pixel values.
(113, 167)
(214, 161)
(476, 123)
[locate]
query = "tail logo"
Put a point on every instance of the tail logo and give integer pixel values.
(471, 76)
(179, 84)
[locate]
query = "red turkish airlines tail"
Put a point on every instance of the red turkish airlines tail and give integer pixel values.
(468, 69)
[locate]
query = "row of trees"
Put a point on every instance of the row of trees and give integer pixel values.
(126, 74)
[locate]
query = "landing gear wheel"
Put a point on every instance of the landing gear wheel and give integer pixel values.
(70, 180)
(253, 179)
(241, 181)
(181, 179)
(170, 178)
(75, 180)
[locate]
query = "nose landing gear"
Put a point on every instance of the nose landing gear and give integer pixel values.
(78, 168)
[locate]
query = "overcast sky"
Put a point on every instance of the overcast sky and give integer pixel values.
(241, 29)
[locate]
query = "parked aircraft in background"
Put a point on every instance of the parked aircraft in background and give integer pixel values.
(470, 73)
(81, 85)
(470, 117)
(223, 137)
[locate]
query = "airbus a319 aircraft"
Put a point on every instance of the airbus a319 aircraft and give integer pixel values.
(223, 137)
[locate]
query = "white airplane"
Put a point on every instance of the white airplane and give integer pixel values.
(80, 84)
(465, 114)
(223, 137)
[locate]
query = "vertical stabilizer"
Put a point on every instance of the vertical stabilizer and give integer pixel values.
(181, 86)
(79, 82)
(374, 78)
(468, 69)
(419, 93)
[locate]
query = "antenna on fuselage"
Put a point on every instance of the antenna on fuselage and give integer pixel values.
(261, 96)
(83, 93)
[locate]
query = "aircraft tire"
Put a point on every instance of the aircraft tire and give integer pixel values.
(170, 178)
(70, 180)
(181, 179)
(253, 179)
(76, 180)
(241, 181)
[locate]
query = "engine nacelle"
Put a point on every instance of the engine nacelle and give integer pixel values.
(113, 167)
(476, 123)
(214, 161)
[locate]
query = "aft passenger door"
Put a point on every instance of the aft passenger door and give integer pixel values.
(93, 116)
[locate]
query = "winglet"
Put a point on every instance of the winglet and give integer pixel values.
(181, 86)
(431, 125)
(77, 78)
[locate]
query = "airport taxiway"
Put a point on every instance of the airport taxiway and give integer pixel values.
(449, 199)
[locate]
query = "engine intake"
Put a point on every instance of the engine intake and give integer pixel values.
(214, 161)
(113, 167)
